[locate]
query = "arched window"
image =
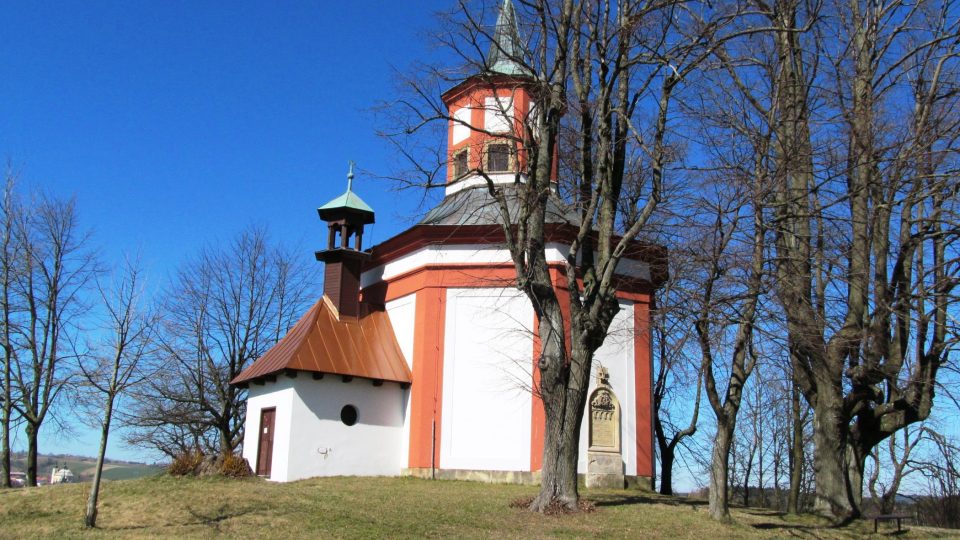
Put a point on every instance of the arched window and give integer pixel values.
(498, 158)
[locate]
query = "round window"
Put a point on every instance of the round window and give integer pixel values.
(348, 415)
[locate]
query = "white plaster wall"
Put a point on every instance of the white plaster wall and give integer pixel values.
(616, 354)
(488, 355)
(403, 313)
(498, 114)
(279, 394)
(474, 254)
(461, 124)
(449, 254)
(321, 445)
(474, 180)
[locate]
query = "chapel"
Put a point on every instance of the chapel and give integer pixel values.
(419, 359)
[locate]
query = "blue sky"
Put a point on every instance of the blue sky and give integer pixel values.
(176, 124)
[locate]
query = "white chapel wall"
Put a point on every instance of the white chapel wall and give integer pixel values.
(462, 124)
(488, 355)
(279, 395)
(403, 314)
(498, 114)
(320, 444)
(451, 254)
(473, 254)
(617, 355)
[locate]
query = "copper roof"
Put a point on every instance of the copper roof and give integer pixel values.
(321, 342)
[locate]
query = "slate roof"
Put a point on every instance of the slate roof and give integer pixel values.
(475, 206)
(322, 343)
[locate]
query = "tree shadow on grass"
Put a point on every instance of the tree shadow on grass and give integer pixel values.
(627, 500)
(763, 512)
(215, 518)
(811, 530)
(212, 520)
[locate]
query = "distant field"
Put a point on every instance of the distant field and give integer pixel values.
(165, 507)
(83, 468)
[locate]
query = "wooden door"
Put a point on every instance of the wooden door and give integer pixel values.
(265, 449)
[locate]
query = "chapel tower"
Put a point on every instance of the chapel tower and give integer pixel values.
(491, 112)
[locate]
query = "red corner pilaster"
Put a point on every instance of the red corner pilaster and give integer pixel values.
(643, 369)
(537, 418)
(426, 401)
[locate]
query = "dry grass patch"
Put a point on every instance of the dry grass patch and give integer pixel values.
(375, 508)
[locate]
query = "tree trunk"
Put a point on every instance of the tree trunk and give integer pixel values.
(761, 498)
(856, 463)
(720, 472)
(796, 454)
(666, 470)
(5, 435)
(829, 463)
(558, 483)
(887, 502)
(746, 482)
(90, 519)
(31, 455)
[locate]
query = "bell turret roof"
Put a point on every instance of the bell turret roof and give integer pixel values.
(349, 202)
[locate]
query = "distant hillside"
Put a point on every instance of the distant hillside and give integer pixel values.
(83, 467)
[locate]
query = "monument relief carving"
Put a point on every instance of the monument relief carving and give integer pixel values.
(604, 421)
(604, 462)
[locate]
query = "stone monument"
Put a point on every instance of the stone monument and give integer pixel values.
(604, 461)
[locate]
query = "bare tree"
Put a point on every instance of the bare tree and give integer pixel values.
(224, 309)
(677, 369)
(725, 300)
(114, 366)
(603, 75)
(861, 99)
(884, 488)
(9, 254)
(865, 247)
(55, 269)
(941, 506)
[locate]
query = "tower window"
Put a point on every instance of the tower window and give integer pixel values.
(460, 164)
(498, 158)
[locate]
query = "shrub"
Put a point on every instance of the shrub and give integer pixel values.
(235, 466)
(186, 463)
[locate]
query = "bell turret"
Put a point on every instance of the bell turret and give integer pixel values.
(345, 216)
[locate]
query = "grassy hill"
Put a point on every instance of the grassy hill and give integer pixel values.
(162, 506)
(83, 467)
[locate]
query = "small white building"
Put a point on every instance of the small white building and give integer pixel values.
(61, 475)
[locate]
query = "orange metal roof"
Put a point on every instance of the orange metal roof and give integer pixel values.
(321, 342)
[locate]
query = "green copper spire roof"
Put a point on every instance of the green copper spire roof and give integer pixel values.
(506, 46)
(349, 200)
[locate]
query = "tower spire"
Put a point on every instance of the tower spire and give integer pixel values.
(506, 47)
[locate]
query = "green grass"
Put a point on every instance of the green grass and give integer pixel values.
(377, 507)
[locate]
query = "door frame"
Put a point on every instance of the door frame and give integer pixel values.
(273, 427)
